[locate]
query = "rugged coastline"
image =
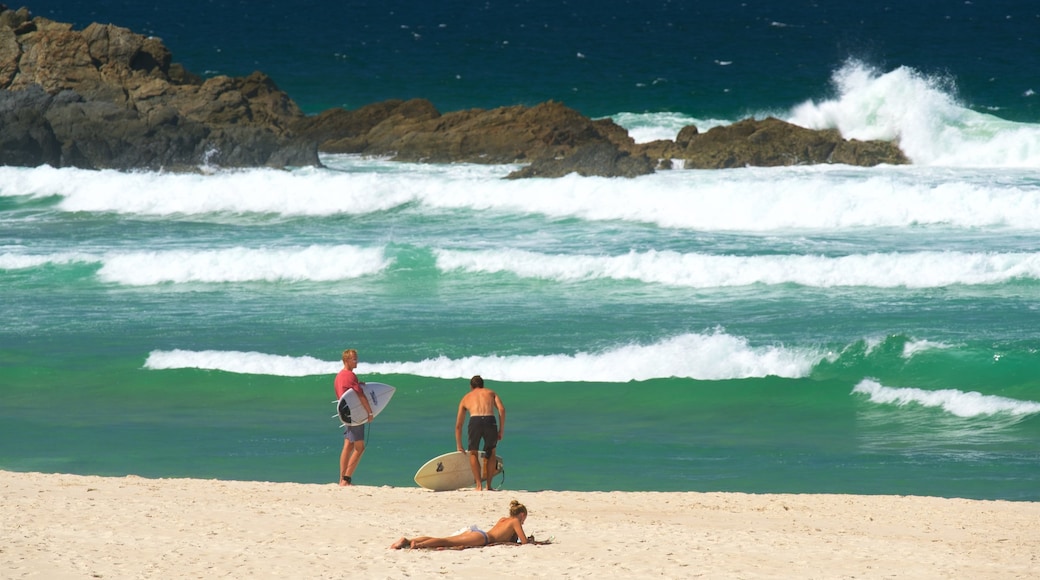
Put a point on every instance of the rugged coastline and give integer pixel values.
(107, 98)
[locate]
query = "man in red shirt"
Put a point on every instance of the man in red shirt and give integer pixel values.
(353, 435)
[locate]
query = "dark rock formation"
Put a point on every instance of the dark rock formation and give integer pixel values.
(415, 131)
(593, 159)
(772, 142)
(749, 143)
(105, 97)
(345, 131)
(26, 137)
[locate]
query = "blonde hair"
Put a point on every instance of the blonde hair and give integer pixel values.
(516, 508)
(348, 352)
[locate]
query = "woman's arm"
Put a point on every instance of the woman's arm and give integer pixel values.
(519, 531)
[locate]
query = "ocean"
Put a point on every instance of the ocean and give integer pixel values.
(814, 329)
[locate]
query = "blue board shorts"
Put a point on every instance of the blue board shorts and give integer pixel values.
(354, 433)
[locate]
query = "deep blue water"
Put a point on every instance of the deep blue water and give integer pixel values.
(708, 59)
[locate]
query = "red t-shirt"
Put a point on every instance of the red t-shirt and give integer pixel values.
(346, 379)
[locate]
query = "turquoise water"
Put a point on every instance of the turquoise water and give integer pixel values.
(690, 330)
(807, 329)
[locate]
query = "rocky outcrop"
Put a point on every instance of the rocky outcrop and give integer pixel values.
(415, 131)
(771, 142)
(594, 159)
(750, 143)
(556, 140)
(105, 97)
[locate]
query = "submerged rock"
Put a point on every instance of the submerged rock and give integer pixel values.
(594, 159)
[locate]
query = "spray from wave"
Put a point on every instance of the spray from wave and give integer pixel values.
(921, 113)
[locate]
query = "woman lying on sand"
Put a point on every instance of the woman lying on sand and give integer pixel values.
(508, 529)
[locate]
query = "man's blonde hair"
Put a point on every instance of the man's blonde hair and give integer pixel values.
(348, 352)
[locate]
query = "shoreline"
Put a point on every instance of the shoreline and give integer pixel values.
(73, 526)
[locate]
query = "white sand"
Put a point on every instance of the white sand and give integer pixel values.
(67, 526)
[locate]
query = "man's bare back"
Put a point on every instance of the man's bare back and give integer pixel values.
(480, 402)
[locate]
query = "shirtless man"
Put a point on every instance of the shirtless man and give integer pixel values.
(481, 403)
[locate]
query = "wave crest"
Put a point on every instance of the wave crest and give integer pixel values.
(952, 401)
(314, 263)
(716, 356)
(909, 270)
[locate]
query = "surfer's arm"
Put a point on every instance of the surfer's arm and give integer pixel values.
(364, 402)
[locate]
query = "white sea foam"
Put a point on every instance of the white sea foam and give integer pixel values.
(260, 191)
(19, 261)
(254, 363)
(762, 199)
(914, 347)
(716, 356)
(313, 263)
(952, 401)
(910, 270)
(237, 264)
(754, 199)
(921, 113)
(962, 177)
(646, 127)
(694, 270)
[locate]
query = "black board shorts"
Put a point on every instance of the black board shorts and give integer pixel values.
(483, 427)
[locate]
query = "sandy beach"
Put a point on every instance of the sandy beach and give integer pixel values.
(69, 526)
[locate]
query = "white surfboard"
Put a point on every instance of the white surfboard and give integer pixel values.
(349, 409)
(451, 471)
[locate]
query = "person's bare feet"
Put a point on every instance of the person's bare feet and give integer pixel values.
(345, 481)
(400, 544)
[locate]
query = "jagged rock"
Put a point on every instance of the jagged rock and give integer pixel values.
(334, 124)
(868, 153)
(111, 98)
(416, 131)
(9, 49)
(772, 142)
(686, 134)
(594, 159)
(27, 138)
(663, 150)
(106, 97)
(342, 131)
